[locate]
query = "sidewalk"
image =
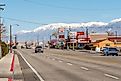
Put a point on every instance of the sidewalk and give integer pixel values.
(5, 64)
(5, 67)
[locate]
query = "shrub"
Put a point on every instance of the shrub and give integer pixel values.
(5, 49)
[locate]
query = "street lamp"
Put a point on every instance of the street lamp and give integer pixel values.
(11, 37)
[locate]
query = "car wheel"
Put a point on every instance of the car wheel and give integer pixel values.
(116, 54)
(35, 51)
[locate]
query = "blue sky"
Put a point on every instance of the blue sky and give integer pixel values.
(54, 11)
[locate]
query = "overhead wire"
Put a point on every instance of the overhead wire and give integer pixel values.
(19, 20)
(69, 8)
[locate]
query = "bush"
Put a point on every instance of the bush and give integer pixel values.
(5, 49)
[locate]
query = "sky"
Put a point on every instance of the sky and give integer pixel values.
(30, 14)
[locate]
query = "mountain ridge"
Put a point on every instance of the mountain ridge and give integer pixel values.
(46, 30)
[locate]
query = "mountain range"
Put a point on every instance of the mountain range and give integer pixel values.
(44, 32)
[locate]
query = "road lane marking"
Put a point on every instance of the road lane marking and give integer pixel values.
(69, 64)
(53, 59)
(84, 68)
(40, 78)
(111, 76)
(60, 61)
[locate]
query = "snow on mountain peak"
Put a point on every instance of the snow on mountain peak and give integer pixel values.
(116, 20)
(89, 24)
(54, 26)
(71, 25)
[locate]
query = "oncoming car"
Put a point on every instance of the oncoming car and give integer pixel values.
(39, 49)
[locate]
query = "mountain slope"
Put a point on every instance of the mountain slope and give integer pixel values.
(46, 30)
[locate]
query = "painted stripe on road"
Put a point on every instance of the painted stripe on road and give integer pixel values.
(53, 59)
(60, 61)
(84, 68)
(111, 76)
(69, 64)
(41, 79)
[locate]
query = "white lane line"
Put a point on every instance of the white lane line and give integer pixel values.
(53, 59)
(69, 64)
(41, 79)
(60, 61)
(84, 68)
(111, 76)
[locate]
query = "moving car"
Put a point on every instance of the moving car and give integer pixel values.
(39, 49)
(110, 51)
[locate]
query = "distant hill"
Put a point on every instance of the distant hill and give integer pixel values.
(44, 32)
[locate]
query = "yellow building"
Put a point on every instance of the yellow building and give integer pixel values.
(103, 43)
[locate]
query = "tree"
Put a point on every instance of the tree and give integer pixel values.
(5, 49)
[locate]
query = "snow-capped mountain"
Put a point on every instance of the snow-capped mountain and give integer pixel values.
(46, 30)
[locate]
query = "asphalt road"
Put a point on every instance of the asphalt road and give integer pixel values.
(58, 65)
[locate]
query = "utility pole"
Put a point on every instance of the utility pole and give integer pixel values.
(10, 38)
(16, 40)
(87, 35)
(1, 24)
(116, 37)
(68, 38)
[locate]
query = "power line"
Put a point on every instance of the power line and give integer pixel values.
(69, 8)
(19, 20)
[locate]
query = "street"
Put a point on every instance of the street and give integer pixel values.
(59, 65)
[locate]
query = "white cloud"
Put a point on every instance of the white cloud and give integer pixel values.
(23, 31)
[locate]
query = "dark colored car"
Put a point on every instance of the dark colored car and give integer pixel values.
(39, 49)
(110, 51)
(14, 47)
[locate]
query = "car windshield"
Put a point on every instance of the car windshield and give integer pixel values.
(112, 49)
(39, 47)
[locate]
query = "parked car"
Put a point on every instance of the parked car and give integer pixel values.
(14, 47)
(110, 51)
(39, 49)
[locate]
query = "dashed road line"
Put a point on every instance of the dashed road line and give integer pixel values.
(84, 68)
(60, 61)
(40, 78)
(53, 59)
(70, 64)
(111, 76)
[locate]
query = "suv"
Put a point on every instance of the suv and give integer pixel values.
(39, 49)
(110, 51)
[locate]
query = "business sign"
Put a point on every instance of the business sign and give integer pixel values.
(73, 40)
(60, 30)
(72, 34)
(61, 36)
(80, 33)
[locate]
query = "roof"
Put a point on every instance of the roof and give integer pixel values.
(98, 41)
